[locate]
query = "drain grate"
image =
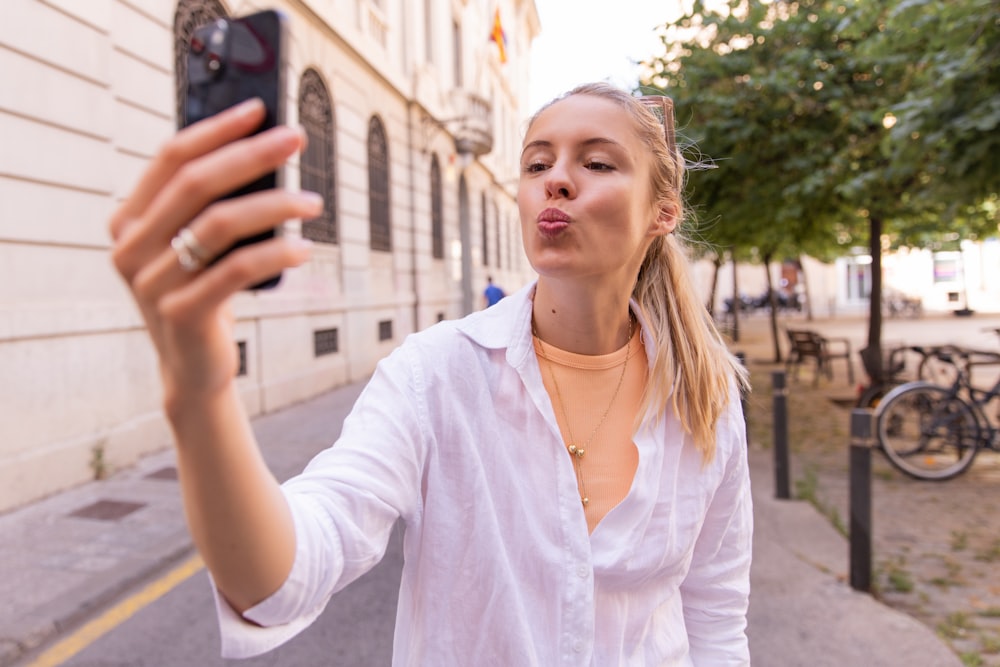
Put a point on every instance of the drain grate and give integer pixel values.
(168, 473)
(107, 510)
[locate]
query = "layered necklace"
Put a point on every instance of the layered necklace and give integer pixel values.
(575, 449)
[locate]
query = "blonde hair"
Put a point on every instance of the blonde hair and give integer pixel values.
(692, 367)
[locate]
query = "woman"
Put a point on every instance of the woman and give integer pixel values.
(569, 464)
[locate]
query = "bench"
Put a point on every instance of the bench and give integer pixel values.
(806, 344)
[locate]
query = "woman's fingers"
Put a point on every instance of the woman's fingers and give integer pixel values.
(199, 300)
(217, 228)
(194, 186)
(191, 142)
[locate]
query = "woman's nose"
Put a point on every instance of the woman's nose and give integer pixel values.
(558, 183)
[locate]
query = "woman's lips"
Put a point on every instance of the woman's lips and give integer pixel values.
(552, 221)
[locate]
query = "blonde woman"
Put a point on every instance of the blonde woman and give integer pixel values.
(569, 465)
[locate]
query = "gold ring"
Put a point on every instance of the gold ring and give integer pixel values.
(191, 254)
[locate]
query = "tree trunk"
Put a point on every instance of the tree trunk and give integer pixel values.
(806, 292)
(717, 264)
(736, 300)
(871, 356)
(773, 308)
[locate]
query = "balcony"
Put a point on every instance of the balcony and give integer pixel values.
(473, 123)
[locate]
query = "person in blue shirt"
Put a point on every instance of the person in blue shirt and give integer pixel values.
(492, 293)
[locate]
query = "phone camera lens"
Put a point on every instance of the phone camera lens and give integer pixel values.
(197, 46)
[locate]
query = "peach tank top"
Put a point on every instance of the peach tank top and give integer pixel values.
(583, 388)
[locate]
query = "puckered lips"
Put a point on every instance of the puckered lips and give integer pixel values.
(551, 222)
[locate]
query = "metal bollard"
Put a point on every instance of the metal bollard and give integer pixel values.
(861, 500)
(743, 399)
(782, 487)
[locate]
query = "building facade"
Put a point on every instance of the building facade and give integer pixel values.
(414, 111)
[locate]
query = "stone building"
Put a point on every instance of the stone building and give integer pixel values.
(414, 114)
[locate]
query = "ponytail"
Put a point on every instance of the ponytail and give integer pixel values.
(692, 366)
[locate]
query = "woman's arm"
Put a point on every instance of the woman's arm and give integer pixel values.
(236, 513)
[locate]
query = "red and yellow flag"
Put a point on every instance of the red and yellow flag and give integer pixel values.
(498, 36)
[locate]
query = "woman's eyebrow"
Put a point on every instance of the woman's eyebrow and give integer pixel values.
(542, 143)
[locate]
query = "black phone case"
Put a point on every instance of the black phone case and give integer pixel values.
(230, 61)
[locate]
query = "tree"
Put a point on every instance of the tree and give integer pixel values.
(950, 113)
(827, 127)
(750, 80)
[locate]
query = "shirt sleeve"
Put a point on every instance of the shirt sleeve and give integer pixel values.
(716, 590)
(344, 505)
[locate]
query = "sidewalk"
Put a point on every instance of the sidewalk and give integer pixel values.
(802, 610)
(60, 567)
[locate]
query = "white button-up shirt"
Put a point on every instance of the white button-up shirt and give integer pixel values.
(456, 435)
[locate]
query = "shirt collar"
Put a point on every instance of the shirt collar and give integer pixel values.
(508, 325)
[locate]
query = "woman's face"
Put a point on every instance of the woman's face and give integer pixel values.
(585, 193)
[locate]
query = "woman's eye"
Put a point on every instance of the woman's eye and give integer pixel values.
(597, 165)
(534, 167)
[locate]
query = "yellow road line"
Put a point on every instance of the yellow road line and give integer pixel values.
(121, 612)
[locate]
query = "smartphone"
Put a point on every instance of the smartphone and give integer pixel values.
(233, 60)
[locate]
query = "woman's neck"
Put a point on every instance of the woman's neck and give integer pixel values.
(581, 320)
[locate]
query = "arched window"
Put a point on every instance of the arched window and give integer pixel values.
(378, 186)
(317, 166)
(437, 210)
(497, 235)
(190, 14)
(486, 242)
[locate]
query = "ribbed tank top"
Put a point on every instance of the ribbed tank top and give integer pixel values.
(586, 384)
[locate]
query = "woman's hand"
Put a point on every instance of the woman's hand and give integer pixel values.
(187, 310)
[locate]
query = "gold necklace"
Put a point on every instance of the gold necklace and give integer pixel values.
(576, 452)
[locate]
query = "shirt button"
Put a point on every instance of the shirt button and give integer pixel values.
(578, 647)
(583, 571)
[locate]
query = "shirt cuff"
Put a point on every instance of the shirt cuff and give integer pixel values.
(244, 637)
(279, 617)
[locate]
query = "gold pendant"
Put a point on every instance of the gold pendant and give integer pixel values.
(573, 449)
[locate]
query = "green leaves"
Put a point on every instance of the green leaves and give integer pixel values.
(821, 114)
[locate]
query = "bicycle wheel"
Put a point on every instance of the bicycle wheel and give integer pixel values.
(873, 394)
(926, 432)
(941, 366)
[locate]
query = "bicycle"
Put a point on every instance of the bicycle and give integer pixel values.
(934, 432)
(934, 363)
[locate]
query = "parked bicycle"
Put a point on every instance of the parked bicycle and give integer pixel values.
(906, 363)
(899, 304)
(933, 363)
(933, 431)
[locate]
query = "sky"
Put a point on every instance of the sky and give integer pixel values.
(593, 40)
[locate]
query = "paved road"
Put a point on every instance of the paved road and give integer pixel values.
(63, 570)
(179, 630)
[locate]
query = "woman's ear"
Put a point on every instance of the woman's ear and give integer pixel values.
(666, 220)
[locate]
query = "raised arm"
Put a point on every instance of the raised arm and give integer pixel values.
(237, 515)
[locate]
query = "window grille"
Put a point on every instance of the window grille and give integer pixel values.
(378, 187)
(317, 168)
(325, 341)
(485, 232)
(190, 15)
(241, 350)
(385, 330)
(437, 210)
